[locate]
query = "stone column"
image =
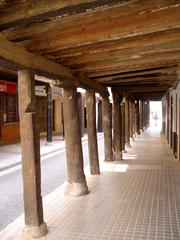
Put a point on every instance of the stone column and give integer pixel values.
(127, 137)
(30, 146)
(117, 125)
(76, 179)
(92, 132)
(49, 114)
(106, 107)
(123, 126)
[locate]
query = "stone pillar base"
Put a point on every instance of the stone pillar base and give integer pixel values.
(35, 231)
(117, 156)
(76, 189)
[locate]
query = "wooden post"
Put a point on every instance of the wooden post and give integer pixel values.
(81, 113)
(76, 179)
(30, 145)
(123, 126)
(130, 120)
(107, 129)
(49, 114)
(149, 113)
(127, 137)
(134, 120)
(141, 115)
(137, 118)
(117, 124)
(163, 117)
(92, 132)
(100, 125)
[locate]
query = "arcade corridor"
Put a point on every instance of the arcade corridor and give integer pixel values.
(137, 198)
(123, 55)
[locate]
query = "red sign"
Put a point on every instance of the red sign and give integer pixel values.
(7, 87)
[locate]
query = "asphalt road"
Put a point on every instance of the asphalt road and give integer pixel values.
(53, 175)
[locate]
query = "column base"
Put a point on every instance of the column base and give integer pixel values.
(35, 231)
(48, 143)
(108, 159)
(124, 151)
(117, 156)
(76, 189)
(95, 172)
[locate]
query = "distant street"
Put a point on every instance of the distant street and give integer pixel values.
(53, 175)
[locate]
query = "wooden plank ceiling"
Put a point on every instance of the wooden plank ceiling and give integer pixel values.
(133, 44)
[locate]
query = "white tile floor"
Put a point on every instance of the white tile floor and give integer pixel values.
(137, 199)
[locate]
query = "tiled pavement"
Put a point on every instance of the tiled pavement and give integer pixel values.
(137, 198)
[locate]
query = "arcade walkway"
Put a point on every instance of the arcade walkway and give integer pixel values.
(138, 198)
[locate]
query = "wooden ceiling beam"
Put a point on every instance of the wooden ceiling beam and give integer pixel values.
(157, 96)
(139, 69)
(146, 89)
(132, 49)
(33, 11)
(136, 54)
(108, 46)
(152, 82)
(17, 57)
(160, 71)
(110, 28)
(143, 78)
(117, 63)
(121, 9)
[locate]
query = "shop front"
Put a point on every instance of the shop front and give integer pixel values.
(9, 118)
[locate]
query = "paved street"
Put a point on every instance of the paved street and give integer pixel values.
(53, 175)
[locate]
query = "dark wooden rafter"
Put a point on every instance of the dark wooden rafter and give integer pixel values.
(43, 10)
(144, 88)
(155, 96)
(146, 79)
(138, 73)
